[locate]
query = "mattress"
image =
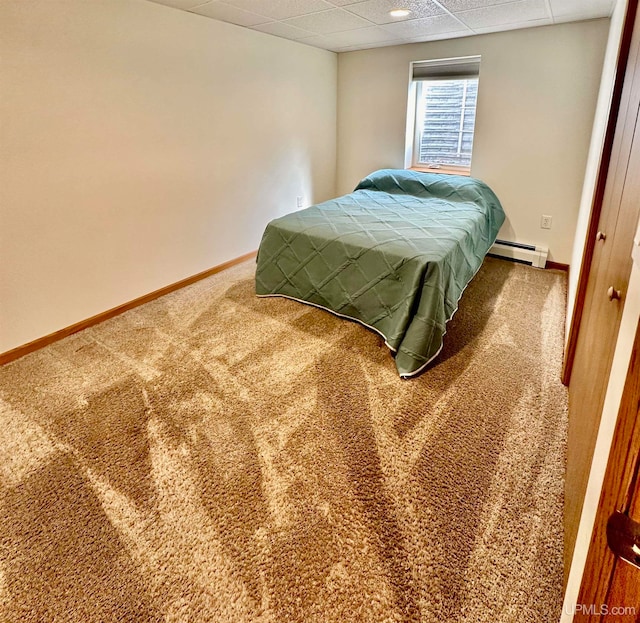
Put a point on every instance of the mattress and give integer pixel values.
(395, 255)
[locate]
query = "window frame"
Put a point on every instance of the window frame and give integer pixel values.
(414, 109)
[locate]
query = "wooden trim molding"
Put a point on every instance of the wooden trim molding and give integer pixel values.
(442, 169)
(557, 266)
(41, 342)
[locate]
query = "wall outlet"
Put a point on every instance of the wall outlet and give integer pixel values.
(299, 201)
(545, 222)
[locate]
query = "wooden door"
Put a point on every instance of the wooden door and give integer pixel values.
(610, 589)
(605, 294)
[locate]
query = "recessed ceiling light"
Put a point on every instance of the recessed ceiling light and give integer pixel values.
(399, 12)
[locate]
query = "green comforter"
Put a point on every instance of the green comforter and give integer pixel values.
(395, 255)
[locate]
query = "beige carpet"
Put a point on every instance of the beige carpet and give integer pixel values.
(212, 456)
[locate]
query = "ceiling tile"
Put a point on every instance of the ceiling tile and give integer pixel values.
(442, 35)
(466, 5)
(362, 36)
(227, 13)
(502, 14)
(281, 9)
(321, 41)
(358, 23)
(377, 11)
(328, 22)
(424, 27)
(593, 8)
(280, 29)
(575, 17)
(532, 23)
(317, 41)
(180, 4)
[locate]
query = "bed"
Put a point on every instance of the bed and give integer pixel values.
(395, 255)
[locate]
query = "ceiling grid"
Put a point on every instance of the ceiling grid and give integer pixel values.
(344, 25)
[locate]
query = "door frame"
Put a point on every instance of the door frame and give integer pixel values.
(616, 494)
(598, 195)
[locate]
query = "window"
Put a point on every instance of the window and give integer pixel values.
(442, 114)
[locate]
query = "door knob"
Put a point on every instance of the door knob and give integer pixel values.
(612, 293)
(601, 236)
(623, 537)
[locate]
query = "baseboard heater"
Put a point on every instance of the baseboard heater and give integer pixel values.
(517, 252)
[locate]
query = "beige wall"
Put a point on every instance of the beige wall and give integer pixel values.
(140, 145)
(536, 102)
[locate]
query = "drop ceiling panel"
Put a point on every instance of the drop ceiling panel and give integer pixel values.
(281, 9)
(318, 41)
(341, 25)
(466, 5)
(282, 29)
(179, 4)
(600, 8)
(228, 13)
(514, 26)
(377, 11)
(432, 25)
(327, 22)
(509, 13)
(439, 36)
(362, 36)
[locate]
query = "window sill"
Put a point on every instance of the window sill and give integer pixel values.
(444, 170)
